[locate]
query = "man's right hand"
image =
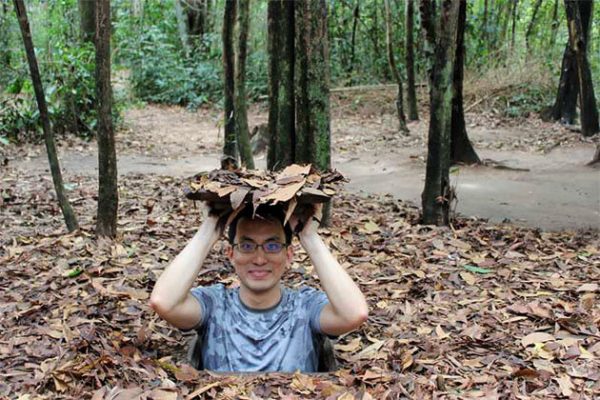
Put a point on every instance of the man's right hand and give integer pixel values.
(215, 218)
(171, 297)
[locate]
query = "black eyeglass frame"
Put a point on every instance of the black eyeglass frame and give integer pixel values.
(256, 246)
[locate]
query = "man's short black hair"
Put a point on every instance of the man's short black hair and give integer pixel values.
(264, 211)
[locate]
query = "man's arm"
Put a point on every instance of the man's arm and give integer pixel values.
(347, 308)
(171, 298)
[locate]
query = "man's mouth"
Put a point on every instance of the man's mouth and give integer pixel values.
(259, 273)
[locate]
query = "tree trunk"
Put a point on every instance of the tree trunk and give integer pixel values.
(108, 195)
(313, 126)
(529, 31)
(313, 131)
(484, 23)
(462, 149)
(428, 15)
(578, 42)
(356, 16)
(87, 20)
(5, 53)
(281, 84)
(411, 94)
(230, 148)
(514, 24)
(374, 35)
(274, 78)
(182, 28)
(394, 70)
(596, 158)
(63, 202)
(437, 194)
(554, 25)
(240, 108)
(504, 13)
(565, 106)
(196, 21)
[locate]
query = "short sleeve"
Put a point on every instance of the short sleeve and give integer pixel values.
(314, 301)
(207, 297)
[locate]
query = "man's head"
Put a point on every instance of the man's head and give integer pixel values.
(260, 247)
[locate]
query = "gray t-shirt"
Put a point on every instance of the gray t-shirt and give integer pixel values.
(237, 338)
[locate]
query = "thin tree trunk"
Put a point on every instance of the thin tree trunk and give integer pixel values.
(554, 25)
(5, 53)
(182, 28)
(411, 94)
(514, 24)
(281, 84)
(273, 50)
(63, 202)
(230, 148)
(356, 16)
(394, 70)
(437, 194)
(504, 10)
(531, 24)
(318, 88)
(87, 20)
(374, 34)
(462, 149)
(578, 42)
(108, 195)
(484, 22)
(241, 114)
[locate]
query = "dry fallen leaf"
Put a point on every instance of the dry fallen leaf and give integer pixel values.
(467, 277)
(536, 337)
(566, 385)
(588, 287)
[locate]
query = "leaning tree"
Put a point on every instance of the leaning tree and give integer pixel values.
(65, 206)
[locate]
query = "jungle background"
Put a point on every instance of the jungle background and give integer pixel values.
(497, 301)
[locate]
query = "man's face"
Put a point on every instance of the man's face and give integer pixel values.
(259, 271)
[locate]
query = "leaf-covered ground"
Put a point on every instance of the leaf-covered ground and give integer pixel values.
(471, 311)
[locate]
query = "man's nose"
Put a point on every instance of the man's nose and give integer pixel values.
(259, 256)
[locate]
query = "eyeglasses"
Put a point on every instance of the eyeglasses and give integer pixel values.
(270, 247)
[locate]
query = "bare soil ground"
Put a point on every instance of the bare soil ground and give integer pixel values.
(535, 176)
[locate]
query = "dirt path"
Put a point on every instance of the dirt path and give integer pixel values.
(550, 191)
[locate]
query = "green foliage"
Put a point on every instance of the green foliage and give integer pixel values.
(67, 69)
(70, 89)
(18, 120)
(69, 86)
(527, 99)
(161, 74)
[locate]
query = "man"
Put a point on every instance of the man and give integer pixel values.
(262, 325)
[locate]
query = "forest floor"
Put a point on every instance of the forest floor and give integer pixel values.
(535, 172)
(482, 309)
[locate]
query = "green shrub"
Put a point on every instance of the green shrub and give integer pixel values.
(70, 89)
(19, 121)
(161, 74)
